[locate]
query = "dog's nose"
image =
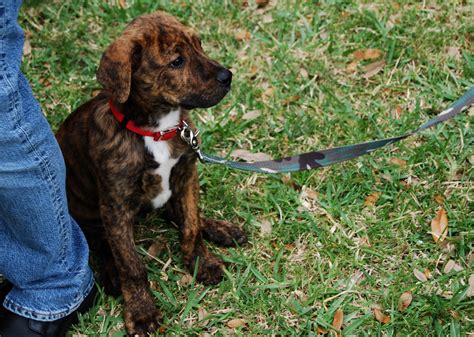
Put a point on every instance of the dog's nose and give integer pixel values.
(224, 77)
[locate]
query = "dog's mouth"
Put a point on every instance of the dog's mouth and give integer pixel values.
(203, 100)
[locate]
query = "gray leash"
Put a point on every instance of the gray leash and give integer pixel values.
(315, 159)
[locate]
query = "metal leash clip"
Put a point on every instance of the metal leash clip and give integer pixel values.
(190, 137)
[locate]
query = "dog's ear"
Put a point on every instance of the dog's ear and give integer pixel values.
(115, 69)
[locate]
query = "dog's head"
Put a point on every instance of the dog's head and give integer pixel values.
(157, 60)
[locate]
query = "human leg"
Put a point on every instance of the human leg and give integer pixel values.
(42, 250)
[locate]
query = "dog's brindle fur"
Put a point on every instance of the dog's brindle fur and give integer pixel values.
(154, 73)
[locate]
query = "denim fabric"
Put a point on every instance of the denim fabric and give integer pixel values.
(42, 249)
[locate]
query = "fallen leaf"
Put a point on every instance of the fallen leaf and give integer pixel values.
(269, 92)
(338, 318)
(398, 112)
(291, 99)
(235, 323)
(449, 266)
(357, 277)
(185, 280)
(373, 68)
(398, 162)
(419, 275)
(380, 316)
(253, 72)
(367, 54)
(286, 179)
(439, 226)
(470, 291)
(427, 273)
(267, 18)
(242, 35)
(162, 329)
(304, 73)
(352, 67)
(439, 199)
(363, 241)
(405, 300)
(249, 156)
(122, 4)
(265, 227)
(372, 199)
(248, 116)
(261, 3)
(321, 331)
(155, 248)
(453, 52)
(202, 315)
(27, 47)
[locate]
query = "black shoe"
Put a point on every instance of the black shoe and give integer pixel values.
(5, 288)
(13, 325)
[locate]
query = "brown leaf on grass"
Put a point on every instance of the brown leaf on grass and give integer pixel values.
(427, 273)
(367, 54)
(122, 4)
(398, 112)
(286, 179)
(398, 162)
(453, 52)
(235, 323)
(242, 35)
(321, 331)
(253, 72)
(155, 248)
(470, 291)
(262, 3)
(405, 300)
(450, 266)
(352, 67)
(380, 316)
(439, 199)
(304, 73)
(268, 92)
(27, 46)
(265, 227)
(249, 156)
(337, 320)
(419, 275)
(373, 69)
(439, 226)
(185, 280)
(202, 317)
(267, 18)
(291, 99)
(372, 199)
(162, 329)
(248, 116)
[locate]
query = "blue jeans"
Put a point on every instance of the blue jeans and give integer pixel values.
(42, 249)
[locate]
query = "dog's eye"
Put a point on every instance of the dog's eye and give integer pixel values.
(177, 63)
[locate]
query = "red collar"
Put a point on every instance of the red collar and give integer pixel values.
(128, 124)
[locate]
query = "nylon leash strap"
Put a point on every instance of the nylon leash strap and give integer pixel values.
(322, 158)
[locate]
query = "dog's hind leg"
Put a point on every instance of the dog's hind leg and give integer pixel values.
(223, 233)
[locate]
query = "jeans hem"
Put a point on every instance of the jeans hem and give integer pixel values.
(47, 316)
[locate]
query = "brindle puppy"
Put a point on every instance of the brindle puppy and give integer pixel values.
(154, 73)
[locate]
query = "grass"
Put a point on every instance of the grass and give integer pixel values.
(327, 250)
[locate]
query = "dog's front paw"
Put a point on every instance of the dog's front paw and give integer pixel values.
(223, 233)
(142, 318)
(210, 269)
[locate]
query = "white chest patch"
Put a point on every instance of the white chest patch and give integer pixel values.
(161, 153)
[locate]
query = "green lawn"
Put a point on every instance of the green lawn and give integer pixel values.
(302, 81)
